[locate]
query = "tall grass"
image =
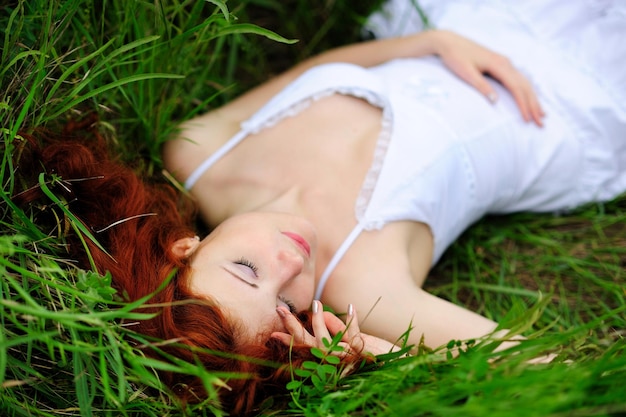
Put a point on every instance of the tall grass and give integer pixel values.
(142, 66)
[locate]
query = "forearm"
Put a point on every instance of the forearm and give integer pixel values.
(365, 54)
(435, 319)
(375, 52)
(468, 60)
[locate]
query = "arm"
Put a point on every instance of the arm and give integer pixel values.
(365, 54)
(465, 58)
(389, 302)
(444, 322)
(389, 307)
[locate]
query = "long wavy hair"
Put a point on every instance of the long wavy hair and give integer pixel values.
(136, 220)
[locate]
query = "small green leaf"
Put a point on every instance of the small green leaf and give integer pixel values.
(333, 360)
(326, 342)
(294, 385)
(318, 353)
(318, 383)
(310, 365)
(327, 369)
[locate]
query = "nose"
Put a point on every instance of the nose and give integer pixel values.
(291, 265)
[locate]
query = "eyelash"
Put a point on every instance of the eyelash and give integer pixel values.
(249, 264)
(292, 307)
(255, 269)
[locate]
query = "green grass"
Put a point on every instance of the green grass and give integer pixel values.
(144, 66)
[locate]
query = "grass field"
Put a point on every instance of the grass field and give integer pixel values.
(143, 67)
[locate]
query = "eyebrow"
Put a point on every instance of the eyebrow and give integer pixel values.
(253, 285)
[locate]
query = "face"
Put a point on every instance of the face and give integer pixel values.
(254, 262)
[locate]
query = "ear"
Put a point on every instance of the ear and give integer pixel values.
(183, 248)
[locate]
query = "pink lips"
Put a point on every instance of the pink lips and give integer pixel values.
(300, 241)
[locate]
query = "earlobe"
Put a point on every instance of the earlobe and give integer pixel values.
(184, 248)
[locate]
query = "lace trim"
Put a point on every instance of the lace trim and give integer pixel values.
(378, 160)
(261, 121)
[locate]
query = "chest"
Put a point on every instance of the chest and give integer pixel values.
(321, 154)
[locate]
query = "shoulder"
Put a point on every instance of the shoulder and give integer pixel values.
(196, 140)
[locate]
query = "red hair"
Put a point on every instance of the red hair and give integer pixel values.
(137, 221)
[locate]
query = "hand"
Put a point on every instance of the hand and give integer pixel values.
(325, 326)
(469, 61)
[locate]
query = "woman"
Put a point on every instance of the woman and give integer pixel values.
(413, 149)
(419, 146)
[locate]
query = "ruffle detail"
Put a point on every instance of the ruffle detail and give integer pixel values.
(378, 160)
(263, 120)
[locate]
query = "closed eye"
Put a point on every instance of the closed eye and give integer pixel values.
(249, 264)
(290, 305)
(237, 275)
(244, 270)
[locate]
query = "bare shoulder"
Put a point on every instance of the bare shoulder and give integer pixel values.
(196, 140)
(377, 278)
(382, 262)
(383, 281)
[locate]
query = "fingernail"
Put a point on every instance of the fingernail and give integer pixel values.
(281, 312)
(492, 97)
(350, 309)
(315, 306)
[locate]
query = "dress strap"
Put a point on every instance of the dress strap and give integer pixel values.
(211, 160)
(337, 258)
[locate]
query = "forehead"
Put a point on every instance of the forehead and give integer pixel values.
(243, 231)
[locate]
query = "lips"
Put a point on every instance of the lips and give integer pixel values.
(300, 241)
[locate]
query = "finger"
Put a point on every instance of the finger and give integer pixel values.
(295, 328)
(285, 338)
(333, 323)
(320, 331)
(351, 338)
(346, 350)
(520, 93)
(522, 103)
(476, 79)
(352, 324)
(521, 90)
(533, 108)
(536, 111)
(483, 86)
(353, 333)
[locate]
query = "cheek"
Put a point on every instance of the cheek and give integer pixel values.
(304, 295)
(265, 327)
(256, 326)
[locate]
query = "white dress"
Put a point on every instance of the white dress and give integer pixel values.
(445, 155)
